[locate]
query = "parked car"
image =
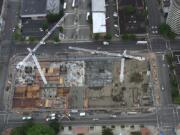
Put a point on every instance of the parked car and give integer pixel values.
(26, 118)
(105, 43)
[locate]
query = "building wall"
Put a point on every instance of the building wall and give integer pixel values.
(173, 18)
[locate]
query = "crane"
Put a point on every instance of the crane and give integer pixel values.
(122, 56)
(22, 64)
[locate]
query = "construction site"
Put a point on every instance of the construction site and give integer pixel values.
(83, 81)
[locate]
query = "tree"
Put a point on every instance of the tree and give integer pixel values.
(96, 36)
(108, 36)
(45, 25)
(40, 129)
(18, 131)
(56, 38)
(125, 37)
(165, 31)
(55, 125)
(132, 37)
(130, 9)
(61, 29)
(22, 130)
(107, 131)
(51, 18)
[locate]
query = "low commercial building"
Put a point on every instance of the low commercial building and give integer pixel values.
(36, 9)
(99, 16)
(33, 9)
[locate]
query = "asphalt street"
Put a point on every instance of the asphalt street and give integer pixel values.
(154, 15)
(164, 79)
(6, 46)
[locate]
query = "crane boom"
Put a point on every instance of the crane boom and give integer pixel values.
(39, 69)
(95, 51)
(121, 77)
(123, 56)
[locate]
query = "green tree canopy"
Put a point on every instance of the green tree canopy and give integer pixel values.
(45, 25)
(55, 125)
(108, 36)
(34, 129)
(127, 36)
(96, 36)
(40, 129)
(130, 9)
(107, 131)
(165, 31)
(51, 18)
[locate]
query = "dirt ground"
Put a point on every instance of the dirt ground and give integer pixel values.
(133, 92)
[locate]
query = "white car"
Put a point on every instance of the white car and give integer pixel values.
(65, 5)
(113, 116)
(115, 25)
(115, 14)
(50, 118)
(52, 115)
(13, 30)
(162, 88)
(95, 119)
(105, 43)
(26, 118)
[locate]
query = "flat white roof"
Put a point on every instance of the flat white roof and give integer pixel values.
(99, 22)
(98, 6)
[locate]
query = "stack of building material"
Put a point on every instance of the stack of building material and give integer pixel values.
(33, 91)
(20, 91)
(62, 91)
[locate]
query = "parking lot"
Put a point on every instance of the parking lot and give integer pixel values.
(112, 19)
(75, 24)
(32, 28)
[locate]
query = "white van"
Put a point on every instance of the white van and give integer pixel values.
(82, 114)
(65, 5)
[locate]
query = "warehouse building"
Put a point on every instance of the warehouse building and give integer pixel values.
(36, 9)
(99, 16)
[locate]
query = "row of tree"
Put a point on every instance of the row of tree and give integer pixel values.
(52, 128)
(37, 129)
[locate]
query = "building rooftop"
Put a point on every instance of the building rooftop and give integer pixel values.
(98, 5)
(99, 22)
(34, 8)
